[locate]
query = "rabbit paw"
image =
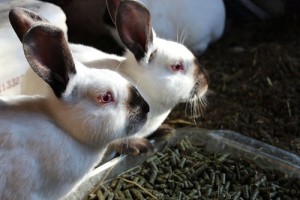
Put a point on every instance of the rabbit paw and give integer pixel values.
(164, 132)
(132, 146)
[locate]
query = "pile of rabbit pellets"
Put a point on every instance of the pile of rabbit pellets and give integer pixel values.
(184, 171)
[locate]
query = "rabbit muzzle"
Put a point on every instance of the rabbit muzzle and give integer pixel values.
(138, 110)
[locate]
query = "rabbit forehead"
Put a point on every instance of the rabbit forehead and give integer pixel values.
(174, 50)
(90, 80)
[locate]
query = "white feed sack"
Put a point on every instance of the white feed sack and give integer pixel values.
(13, 63)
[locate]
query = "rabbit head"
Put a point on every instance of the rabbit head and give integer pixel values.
(87, 101)
(166, 71)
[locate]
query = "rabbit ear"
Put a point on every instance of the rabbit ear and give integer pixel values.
(22, 20)
(112, 6)
(133, 23)
(47, 52)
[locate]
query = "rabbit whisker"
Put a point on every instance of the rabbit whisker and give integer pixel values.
(118, 67)
(183, 40)
(189, 104)
(182, 36)
(85, 122)
(197, 106)
(192, 108)
(137, 84)
(94, 132)
(185, 110)
(177, 35)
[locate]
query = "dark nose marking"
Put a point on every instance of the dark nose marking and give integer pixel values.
(137, 100)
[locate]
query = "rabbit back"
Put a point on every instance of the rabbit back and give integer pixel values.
(194, 23)
(33, 153)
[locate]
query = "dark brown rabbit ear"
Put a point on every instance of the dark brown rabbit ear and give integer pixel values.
(47, 52)
(134, 26)
(22, 20)
(112, 7)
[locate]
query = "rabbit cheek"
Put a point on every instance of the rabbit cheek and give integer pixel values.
(138, 109)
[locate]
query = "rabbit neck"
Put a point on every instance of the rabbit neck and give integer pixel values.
(57, 112)
(25, 104)
(155, 119)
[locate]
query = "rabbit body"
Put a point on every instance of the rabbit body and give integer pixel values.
(196, 23)
(39, 160)
(49, 143)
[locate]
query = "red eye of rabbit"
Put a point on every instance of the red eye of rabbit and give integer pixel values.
(177, 67)
(106, 98)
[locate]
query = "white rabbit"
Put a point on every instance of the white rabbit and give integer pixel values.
(47, 146)
(196, 23)
(164, 72)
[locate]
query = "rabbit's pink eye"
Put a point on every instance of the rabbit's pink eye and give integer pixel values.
(177, 67)
(106, 98)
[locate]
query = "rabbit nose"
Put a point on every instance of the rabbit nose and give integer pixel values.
(138, 101)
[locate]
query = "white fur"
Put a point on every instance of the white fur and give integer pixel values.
(47, 145)
(158, 84)
(196, 23)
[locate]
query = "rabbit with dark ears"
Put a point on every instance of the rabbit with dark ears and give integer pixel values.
(49, 143)
(164, 72)
(194, 23)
